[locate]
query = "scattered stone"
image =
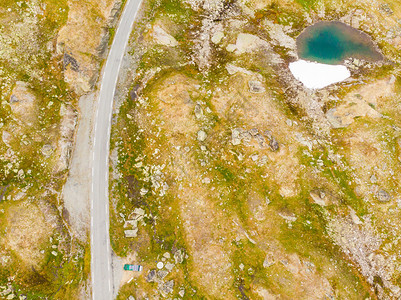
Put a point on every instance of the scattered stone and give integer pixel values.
(168, 287)
(373, 179)
(169, 266)
(139, 211)
(131, 298)
(54, 253)
(233, 69)
(269, 261)
(217, 36)
(290, 217)
(131, 233)
(383, 196)
(392, 79)
(253, 131)
(206, 180)
(355, 219)
(179, 256)
(151, 276)
(263, 160)
(280, 37)
(254, 157)
(284, 262)
(319, 197)
(201, 135)
(69, 60)
(143, 191)
(246, 136)
(161, 274)
(268, 134)
(235, 136)
(256, 87)
(274, 144)
(133, 223)
(160, 265)
(13, 99)
(241, 266)
(181, 293)
(198, 111)
(231, 47)
(166, 255)
(47, 150)
(334, 119)
(385, 7)
(261, 140)
(361, 243)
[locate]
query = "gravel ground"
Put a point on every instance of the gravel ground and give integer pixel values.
(76, 193)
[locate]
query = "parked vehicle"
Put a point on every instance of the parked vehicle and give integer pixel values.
(128, 267)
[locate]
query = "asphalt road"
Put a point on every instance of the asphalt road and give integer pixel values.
(100, 239)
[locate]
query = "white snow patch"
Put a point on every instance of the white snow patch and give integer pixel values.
(316, 76)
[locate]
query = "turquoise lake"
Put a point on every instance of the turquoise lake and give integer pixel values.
(332, 42)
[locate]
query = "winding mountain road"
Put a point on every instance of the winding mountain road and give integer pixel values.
(100, 238)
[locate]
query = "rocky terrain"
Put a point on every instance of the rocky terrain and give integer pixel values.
(231, 180)
(50, 55)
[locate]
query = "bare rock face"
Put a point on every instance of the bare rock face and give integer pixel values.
(280, 37)
(344, 116)
(22, 102)
(83, 38)
(67, 130)
(248, 42)
(362, 103)
(27, 230)
(163, 38)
